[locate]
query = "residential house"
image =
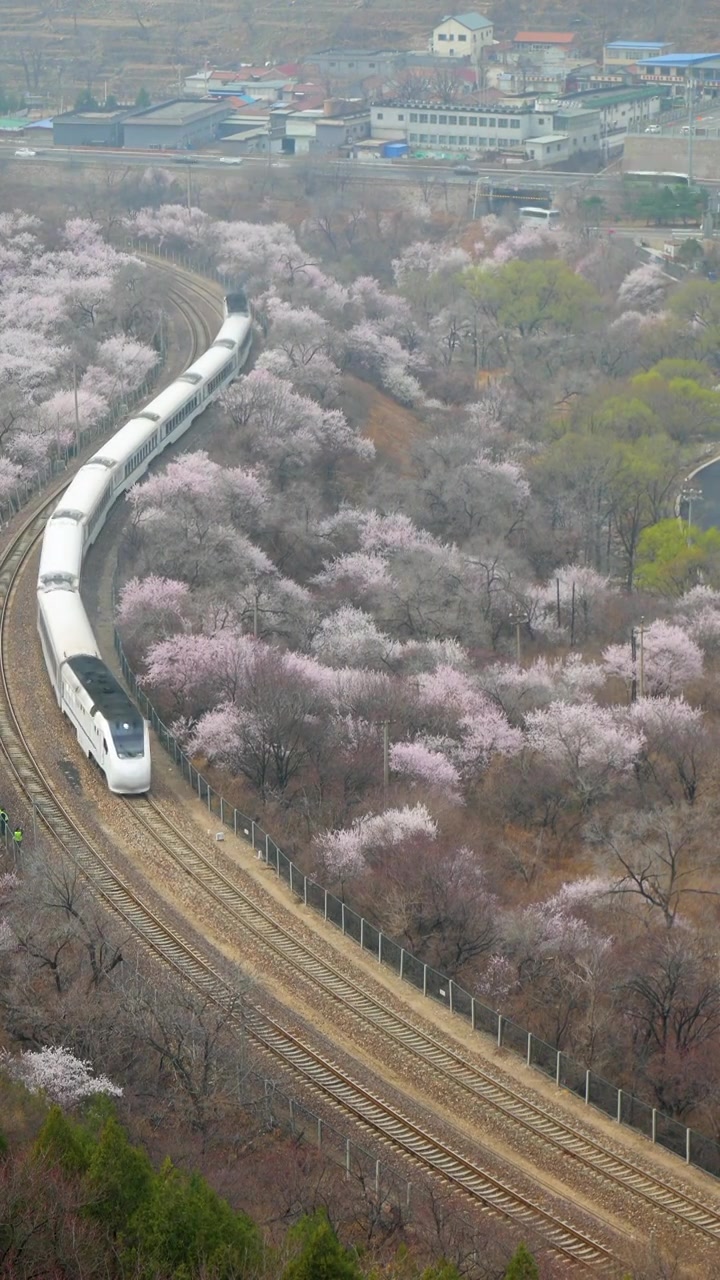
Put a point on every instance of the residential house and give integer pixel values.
(539, 41)
(462, 35)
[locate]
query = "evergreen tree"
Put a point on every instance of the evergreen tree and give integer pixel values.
(183, 1227)
(522, 1265)
(321, 1255)
(120, 1176)
(63, 1142)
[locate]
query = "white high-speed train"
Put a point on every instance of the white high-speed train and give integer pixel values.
(108, 725)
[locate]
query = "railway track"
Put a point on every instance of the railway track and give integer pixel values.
(445, 1062)
(385, 1121)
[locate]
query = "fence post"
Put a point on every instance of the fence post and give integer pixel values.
(654, 1125)
(342, 909)
(500, 1027)
(305, 890)
(252, 831)
(528, 1060)
(292, 1117)
(199, 788)
(326, 904)
(319, 1132)
(377, 1179)
(450, 1000)
(362, 933)
(587, 1087)
(291, 883)
(209, 798)
(688, 1133)
(222, 810)
(619, 1107)
(267, 847)
(424, 979)
(380, 948)
(402, 963)
(557, 1069)
(347, 1157)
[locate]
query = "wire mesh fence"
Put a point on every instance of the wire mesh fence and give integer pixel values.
(595, 1091)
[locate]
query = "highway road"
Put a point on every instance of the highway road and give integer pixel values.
(349, 170)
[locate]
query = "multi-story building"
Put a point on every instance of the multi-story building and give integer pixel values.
(462, 35)
(551, 133)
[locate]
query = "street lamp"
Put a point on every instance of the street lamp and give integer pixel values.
(518, 619)
(688, 495)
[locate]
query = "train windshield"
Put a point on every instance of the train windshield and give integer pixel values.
(129, 737)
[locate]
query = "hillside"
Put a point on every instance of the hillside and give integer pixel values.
(119, 47)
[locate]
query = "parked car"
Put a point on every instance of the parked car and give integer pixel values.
(231, 159)
(464, 168)
(653, 128)
(25, 153)
(187, 160)
(685, 129)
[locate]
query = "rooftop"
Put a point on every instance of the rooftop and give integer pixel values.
(178, 112)
(638, 44)
(545, 37)
(547, 137)
(677, 59)
(473, 21)
(463, 107)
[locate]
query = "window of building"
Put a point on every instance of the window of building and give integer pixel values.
(433, 119)
(462, 37)
(442, 139)
(452, 53)
(462, 141)
(413, 137)
(482, 121)
(413, 117)
(472, 140)
(472, 120)
(380, 115)
(423, 118)
(491, 122)
(514, 124)
(502, 124)
(462, 119)
(541, 120)
(433, 137)
(401, 115)
(452, 119)
(442, 119)
(423, 137)
(451, 37)
(442, 37)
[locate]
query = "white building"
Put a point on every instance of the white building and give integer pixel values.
(511, 129)
(463, 35)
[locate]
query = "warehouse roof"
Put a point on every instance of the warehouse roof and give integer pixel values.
(178, 112)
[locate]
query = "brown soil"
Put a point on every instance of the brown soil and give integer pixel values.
(392, 428)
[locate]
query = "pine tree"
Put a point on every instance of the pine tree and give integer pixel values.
(321, 1255)
(63, 1142)
(120, 1176)
(522, 1265)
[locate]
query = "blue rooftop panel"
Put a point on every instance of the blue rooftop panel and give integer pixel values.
(638, 44)
(677, 59)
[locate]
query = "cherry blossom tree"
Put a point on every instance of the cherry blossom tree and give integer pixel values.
(424, 761)
(643, 289)
(671, 660)
(344, 852)
(589, 745)
(151, 607)
(58, 1075)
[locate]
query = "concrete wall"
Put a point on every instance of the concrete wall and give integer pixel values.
(671, 154)
(88, 133)
(450, 39)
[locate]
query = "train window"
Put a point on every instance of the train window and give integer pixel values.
(104, 746)
(68, 514)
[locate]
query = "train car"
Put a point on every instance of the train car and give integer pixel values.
(109, 728)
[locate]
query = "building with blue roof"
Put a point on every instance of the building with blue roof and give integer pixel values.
(462, 35)
(619, 54)
(677, 70)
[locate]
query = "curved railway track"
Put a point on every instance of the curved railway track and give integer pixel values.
(336, 1085)
(444, 1061)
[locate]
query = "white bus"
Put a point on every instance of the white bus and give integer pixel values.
(532, 215)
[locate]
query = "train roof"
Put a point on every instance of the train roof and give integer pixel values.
(108, 696)
(67, 623)
(84, 491)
